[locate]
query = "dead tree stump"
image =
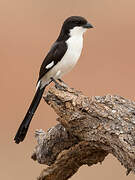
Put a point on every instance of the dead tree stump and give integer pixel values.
(88, 130)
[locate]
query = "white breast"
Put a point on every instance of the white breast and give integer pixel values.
(72, 54)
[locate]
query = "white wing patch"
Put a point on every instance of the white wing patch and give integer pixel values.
(50, 65)
(38, 84)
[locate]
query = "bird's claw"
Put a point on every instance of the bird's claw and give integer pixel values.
(57, 85)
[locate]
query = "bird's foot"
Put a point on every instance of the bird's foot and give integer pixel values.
(59, 86)
(63, 83)
(60, 80)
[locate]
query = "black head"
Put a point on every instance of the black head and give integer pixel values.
(72, 22)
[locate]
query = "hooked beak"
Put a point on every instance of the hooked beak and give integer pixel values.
(88, 25)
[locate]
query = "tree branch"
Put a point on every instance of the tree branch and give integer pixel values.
(89, 129)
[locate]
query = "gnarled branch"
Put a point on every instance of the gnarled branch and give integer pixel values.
(89, 129)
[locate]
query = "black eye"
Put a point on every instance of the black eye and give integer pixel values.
(78, 23)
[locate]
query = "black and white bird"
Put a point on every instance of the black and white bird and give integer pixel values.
(61, 58)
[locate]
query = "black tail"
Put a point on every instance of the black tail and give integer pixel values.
(22, 131)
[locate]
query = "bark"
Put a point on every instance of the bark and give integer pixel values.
(88, 130)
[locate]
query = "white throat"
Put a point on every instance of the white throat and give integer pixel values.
(77, 31)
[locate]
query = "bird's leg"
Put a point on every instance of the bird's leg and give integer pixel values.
(57, 85)
(60, 80)
(63, 83)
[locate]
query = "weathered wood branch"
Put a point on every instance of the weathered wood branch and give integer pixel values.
(89, 129)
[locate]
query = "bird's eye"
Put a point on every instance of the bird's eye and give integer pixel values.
(77, 22)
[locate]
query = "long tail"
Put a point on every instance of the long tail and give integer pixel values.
(22, 131)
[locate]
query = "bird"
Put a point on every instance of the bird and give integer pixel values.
(61, 58)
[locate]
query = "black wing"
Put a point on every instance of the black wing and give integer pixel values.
(55, 54)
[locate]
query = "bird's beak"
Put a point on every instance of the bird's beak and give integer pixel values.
(88, 25)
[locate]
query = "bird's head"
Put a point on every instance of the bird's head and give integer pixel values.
(75, 25)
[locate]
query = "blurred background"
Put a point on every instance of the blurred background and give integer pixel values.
(27, 30)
